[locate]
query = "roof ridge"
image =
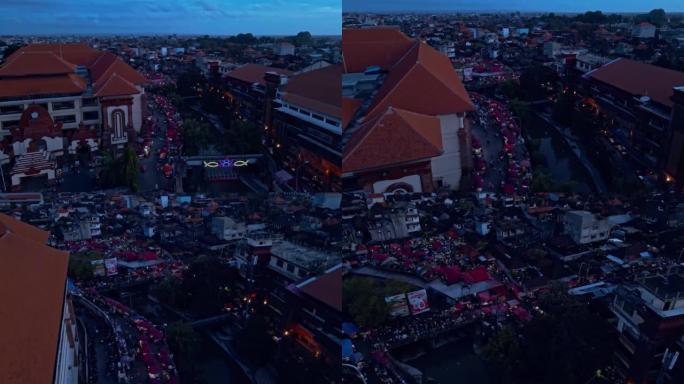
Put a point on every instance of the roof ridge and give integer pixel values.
(366, 134)
(400, 112)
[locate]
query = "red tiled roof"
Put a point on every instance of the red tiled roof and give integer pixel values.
(44, 85)
(78, 54)
(35, 63)
(254, 73)
(33, 70)
(32, 284)
(362, 48)
(423, 81)
(326, 288)
(115, 66)
(349, 108)
(116, 85)
(394, 137)
(640, 79)
(319, 90)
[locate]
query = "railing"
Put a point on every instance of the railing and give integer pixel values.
(119, 140)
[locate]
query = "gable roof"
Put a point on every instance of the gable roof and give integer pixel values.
(32, 284)
(639, 79)
(254, 73)
(115, 85)
(349, 108)
(396, 136)
(78, 54)
(23, 63)
(362, 48)
(326, 288)
(44, 85)
(318, 90)
(422, 71)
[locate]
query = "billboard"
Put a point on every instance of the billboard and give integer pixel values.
(398, 305)
(110, 266)
(98, 267)
(418, 301)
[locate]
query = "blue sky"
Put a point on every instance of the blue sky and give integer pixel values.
(514, 5)
(262, 17)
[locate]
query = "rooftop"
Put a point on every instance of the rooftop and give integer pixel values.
(32, 284)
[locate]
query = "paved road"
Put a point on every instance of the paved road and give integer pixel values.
(152, 179)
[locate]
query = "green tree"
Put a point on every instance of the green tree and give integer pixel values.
(541, 181)
(364, 299)
(185, 343)
(196, 136)
(131, 169)
(505, 354)
(566, 344)
(303, 39)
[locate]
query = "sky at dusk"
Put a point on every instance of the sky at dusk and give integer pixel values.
(514, 5)
(214, 17)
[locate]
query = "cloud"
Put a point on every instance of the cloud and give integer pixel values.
(169, 16)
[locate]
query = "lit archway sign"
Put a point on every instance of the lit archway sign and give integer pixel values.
(226, 163)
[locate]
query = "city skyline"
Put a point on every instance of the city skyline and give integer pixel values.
(627, 6)
(221, 17)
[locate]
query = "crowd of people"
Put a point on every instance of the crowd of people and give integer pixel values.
(151, 342)
(517, 175)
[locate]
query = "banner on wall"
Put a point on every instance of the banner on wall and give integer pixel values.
(98, 267)
(398, 305)
(418, 302)
(110, 266)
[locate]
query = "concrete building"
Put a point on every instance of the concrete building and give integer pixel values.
(407, 108)
(583, 227)
(284, 49)
(644, 30)
(650, 324)
(38, 326)
(639, 99)
(306, 126)
(228, 229)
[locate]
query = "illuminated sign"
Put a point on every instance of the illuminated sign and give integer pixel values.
(226, 163)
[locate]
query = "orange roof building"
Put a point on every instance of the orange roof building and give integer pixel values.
(81, 88)
(36, 322)
(406, 125)
(308, 123)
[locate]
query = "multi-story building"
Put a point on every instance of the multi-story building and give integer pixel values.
(584, 227)
(38, 326)
(674, 167)
(65, 98)
(226, 228)
(307, 126)
(650, 325)
(247, 85)
(79, 87)
(638, 99)
(407, 108)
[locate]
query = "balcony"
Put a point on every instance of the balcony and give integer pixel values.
(120, 139)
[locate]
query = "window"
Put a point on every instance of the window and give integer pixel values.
(118, 122)
(10, 123)
(317, 117)
(290, 268)
(280, 263)
(62, 105)
(90, 102)
(11, 109)
(91, 115)
(66, 119)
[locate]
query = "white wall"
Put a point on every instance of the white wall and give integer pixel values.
(447, 166)
(412, 180)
